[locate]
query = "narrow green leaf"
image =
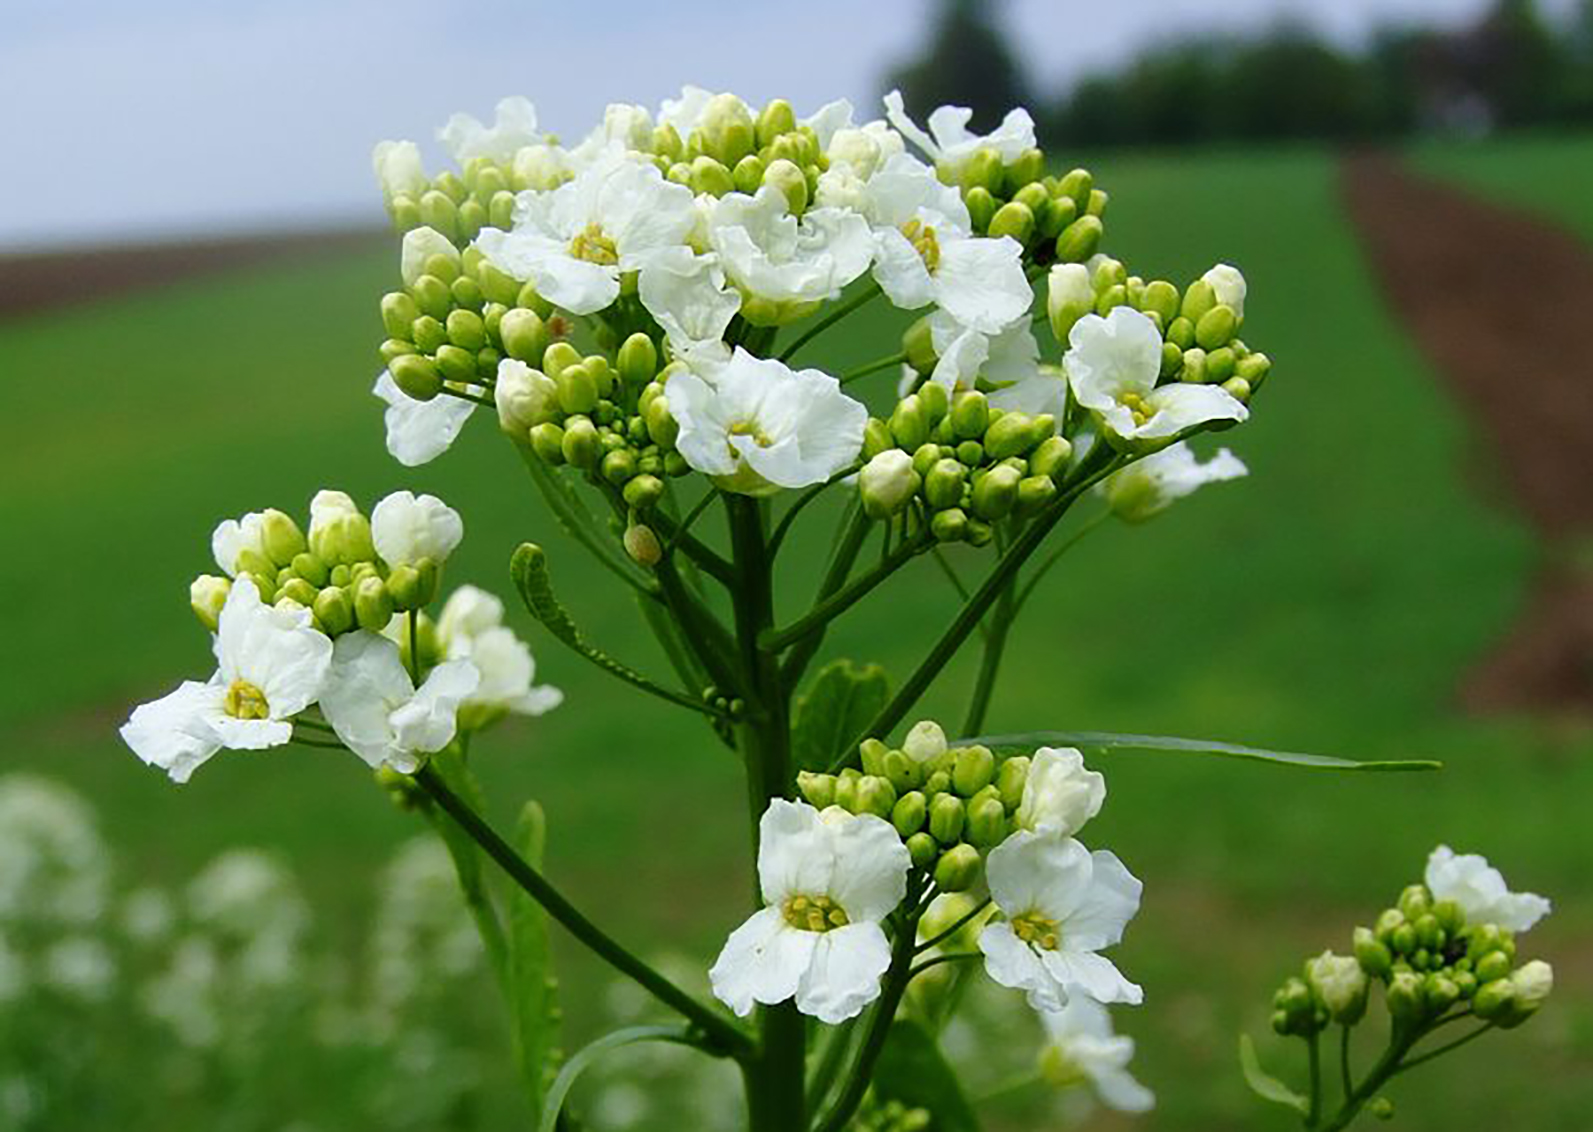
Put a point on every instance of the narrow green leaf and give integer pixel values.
(578, 1064)
(1107, 741)
(1264, 1084)
(839, 704)
(534, 990)
(911, 1070)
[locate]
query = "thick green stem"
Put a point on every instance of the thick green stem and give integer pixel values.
(1399, 1045)
(715, 1028)
(776, 1097)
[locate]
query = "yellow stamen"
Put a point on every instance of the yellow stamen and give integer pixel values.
(924, 242)
(593, 246)
(813, 913)
(1138, 406)
(1037, 930)
(245, 701)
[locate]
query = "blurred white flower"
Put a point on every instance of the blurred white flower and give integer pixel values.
(1083, 1049)
(1480, 890)
(54, 868)
(80, 967)
(1149, 486)
(951, 144)
(514, 126)
(471, 627)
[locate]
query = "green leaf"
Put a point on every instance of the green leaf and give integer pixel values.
(531, 981)
(560, 1090)
(1106, 741)
(911, 1070)
(1264, 1084)
(842, 700)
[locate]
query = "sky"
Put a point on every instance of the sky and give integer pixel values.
(131, 120)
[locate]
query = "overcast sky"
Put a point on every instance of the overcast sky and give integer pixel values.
(127, 119)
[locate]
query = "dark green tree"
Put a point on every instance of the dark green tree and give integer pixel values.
(966, 62)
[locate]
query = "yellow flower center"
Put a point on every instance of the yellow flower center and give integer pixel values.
(1033, 928)
(924, 242)
(813, 913)
(593, 246)
(1138, 406)
(245, 701)
(750, 428)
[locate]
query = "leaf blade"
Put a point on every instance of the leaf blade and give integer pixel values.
(1264, 1084)
(842, 700)
(1105, 742)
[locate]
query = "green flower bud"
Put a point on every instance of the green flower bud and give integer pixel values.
(1161, 298)
(1034, 494)
(875, 795)
(944, 483)
(748, 174)
(1011, 434)
(774, 119)
(528, 299)
(946, 816)
(298, 591)
(1494, 965)
(950, 525)
(983, 169)
(414, 584)
(1340, 984)
(558, 357)
(909, 813)
(1013, 219)
(437, 210)
(618, 466)
(417, 376)
(1415, 902)
(281, 537)
(432, 296)
(1070, 295)
(497, 286)
(1099, 199)
(333, 610)
(1403, 941)
(982, 207)
(1025, 170)
(958, 869)
(1253, 368)
(973, 769)
(394, 348)
(909, 423)
(428, 334)
(905, 773)
(1216, 327)
(1181, 334)
(1298, 1005)
(1405, 998)
(987, 822)
(500, 210)
(577, 390)
(373, 605)
(1428, 933)
(643, 492)
(1372, 954)
(1450, 917)
(1381, 1107)
(1055, 215)
(1198, 299)
(887, 483)
(995, 493)
(405, 212)
(710, 177)
(1010, 780)
(666, 143)
(1439, 992)
(726, 131)
(582, 446)
(547, 441)
(789, 179)
(1530, 987)
(818, 789)
(846, 789)
(206, 595)
(937, 782)
(1389, 920)
(1077, 186)
(1079, 240)
(456, 365)
(641, 541)
(936, 400)
(399, 313)
(1220, 365)
(923, 849)
(466, 330)
(467, 293)
(637, 361)
(1193, 371)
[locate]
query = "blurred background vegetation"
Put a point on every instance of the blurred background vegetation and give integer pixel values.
(1335, 601)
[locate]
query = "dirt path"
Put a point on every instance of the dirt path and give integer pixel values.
(39, 281)
(1501, 303)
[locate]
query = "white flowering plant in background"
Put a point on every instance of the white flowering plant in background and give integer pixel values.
(635, 312)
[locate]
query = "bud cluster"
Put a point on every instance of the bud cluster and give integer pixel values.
(334, 572)
(1056, 219)
(951, 805)
(457, 320)
(1199, 326)
(460, 206)
(967, 464)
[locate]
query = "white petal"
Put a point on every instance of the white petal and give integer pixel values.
(1119, 1089)
(900, 271)
(1181, 406)
(980, 282)
(1108, 357)
(468, 612)
(399, 169)
(514, 126)
(1480, 890)
(1013, 963)
(419, 245)
(420, 431)
(762, 961)
(278, 651)
(1084, 972)
(429, 721)
(1111, 901)
(871, 866)
(174, 732)
(365, 682)
(843, 975)
(251, 734)
(795, 854)
(1060, 794)
(704, 434)
(1031, 872)
(406, 528)
(687, 294)
(232, 537)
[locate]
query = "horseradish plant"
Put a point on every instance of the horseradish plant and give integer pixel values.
(636, 311)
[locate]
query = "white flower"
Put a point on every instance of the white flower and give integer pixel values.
(687, 112)
(1059, 794)
(1113, 364)
(339, 533)
(1062, 904)
(755, 425)
(952, 143)
(1480, 890)
(1531, 984)
(419, 245)
(863, 148)
(232, 537)
(773, 256)
(1083, 1048)
(687, 294)
(376, 710)
(1228, 284)
(887, 482)
(525, 397)
(1341, 984)
(514, 127)
(471, 628)
(925, 250)
(576, 241)
(398, 169)
(406, 528)
(542, 167)
(420, 431)
(829, 880)
(271, 666)
(925, 740)
(1009, 358)
(81, 967)
(1149, 486)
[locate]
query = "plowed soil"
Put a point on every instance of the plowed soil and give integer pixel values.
(1502, 305)
(40, 281)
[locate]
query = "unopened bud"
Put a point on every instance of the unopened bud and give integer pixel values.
(1216, 327)
(946, 816)
(334, 610)
(983, 168)
(726, 129)
(886, 483)
(950, 525)
(982, 206)
(1034, 493)
(987, 822)
(909, 813)
(973, 770)
(206, 595)
(1079, 240)
(818, 789)
(1405, 999)
(1372, 954)
(1199, 299)
(1070, 296)
(641, 543)
(958, 869)
(373, 605)
(416, 375)
(1013, 219)
(875, 795)
(582, 446)
(923, 849)
(909, 423)
(1010, 780)
(1077, 186)
(1341, 984)
(1010, 435)
(925, 741)
(413, 585)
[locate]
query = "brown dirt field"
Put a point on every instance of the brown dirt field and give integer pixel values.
(1496, 299)
(38, 281)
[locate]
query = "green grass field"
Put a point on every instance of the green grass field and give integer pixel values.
(1330, 602)
(1542, 173)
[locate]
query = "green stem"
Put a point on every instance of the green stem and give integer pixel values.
(709, 641)
(896, 979)
(995, 645)
(775, 1087)
(778, 640)
(676, 537)
(414, 647)
(954, 929)
(841, 562)
(1056, 555)
(875, 366)
(936, 961)
(1446, 1048)
(579, 524)
(829, 320)
(1314, 1046)
(714, 1026)
(802, 501)
(1346, 1078)
(464, 396)
(1398, 1046)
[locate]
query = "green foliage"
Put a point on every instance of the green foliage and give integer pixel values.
(842, 700)
(913, 1071)
(1102, 742)
(1264, 1084)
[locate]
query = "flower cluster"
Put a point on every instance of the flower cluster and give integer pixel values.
(922, 820)
(691, 234)
(316, 620)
